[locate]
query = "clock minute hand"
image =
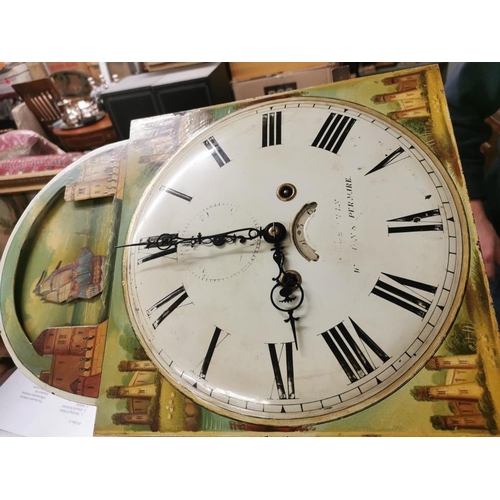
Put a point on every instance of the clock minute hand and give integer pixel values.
(168, 242)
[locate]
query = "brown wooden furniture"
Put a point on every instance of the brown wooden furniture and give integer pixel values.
(88, 137)
(41, 97)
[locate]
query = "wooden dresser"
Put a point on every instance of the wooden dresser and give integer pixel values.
(88, 137)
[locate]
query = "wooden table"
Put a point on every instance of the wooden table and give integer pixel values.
(88, 137)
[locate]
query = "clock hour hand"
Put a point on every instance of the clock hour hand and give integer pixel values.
(287, 295)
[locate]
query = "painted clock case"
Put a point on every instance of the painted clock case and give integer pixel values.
(457, 393)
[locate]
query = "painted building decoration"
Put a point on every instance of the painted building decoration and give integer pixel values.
(151, 402)
(464, 388)
(95, 181)
(77, 356)
(410, 95)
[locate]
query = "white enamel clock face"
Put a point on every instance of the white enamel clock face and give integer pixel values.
(375, 232)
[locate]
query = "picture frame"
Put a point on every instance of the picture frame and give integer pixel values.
(26, 182)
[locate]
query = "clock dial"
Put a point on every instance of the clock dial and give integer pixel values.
(376, 243)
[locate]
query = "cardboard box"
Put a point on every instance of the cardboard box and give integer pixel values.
(283, 82)
(248, 70)
(160, 66)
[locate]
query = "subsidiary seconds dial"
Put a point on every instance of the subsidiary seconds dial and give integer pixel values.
(370, 274)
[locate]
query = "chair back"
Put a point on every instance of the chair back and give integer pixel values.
(41, 97)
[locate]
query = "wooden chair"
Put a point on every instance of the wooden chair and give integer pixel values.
(41, 97)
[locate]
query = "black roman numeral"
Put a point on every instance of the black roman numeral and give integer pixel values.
(287, 392)
(417, 223)
(405, 297)
(210, 352)
(271, 129)
(349, 352)
(178, 194)
(216, 151)
(387, 160)
(182, 296)
(334, 132)
(157, 254)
